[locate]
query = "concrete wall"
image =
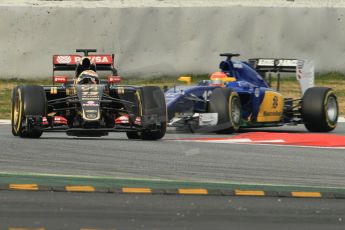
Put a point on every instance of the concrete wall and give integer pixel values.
(166, 39)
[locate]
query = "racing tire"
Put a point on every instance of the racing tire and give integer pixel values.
(152, 105)
(26, 101)
(133, 135)
(320, 109)
(14, 90)
(227, 104)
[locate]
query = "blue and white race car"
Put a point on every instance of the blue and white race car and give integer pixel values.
(237, 97)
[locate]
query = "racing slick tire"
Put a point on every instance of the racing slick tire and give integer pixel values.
(14, 90)
(320, 109)
(227, 104)
(133, 135)
(154, 112)
(27, 101)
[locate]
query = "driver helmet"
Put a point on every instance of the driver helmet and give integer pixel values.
(85, 64)
(88, 77)
(217, 78)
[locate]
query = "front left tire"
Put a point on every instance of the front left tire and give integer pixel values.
(320, 109)
(152, 106)
(226, 103)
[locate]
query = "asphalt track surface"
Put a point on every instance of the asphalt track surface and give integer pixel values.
(115, 156)
(49, 210)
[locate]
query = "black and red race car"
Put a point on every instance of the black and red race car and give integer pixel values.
(87, 105)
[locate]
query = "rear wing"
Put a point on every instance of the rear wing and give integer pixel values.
(104, 62)
(304, 70)
(264, 65)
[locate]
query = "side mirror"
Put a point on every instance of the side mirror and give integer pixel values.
(186, 79)
(229, 79)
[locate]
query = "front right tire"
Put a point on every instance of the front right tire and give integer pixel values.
(133, 135)
(13, 126)
(27, 101)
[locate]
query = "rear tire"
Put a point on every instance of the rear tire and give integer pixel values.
(227, 104)
(152, 105)
(320, 109)
(27, 101)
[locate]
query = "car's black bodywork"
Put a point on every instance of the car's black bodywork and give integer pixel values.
(89, 109)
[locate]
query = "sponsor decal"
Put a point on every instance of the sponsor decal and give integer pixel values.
(122, 120)
(300, 64)
(60, 79)
(74, 59)
(44, 121)
(88, 87)
(287, 62)
(275, 102)
(90, 103)
(114, 79)
(95, 59)
(89, 93)
(90, 98)
(206, 95)
(137, 121)
(121, 90)
(91, 115)
(63, 59)
(125, 120)
(266, 62)
(91, 111)
(305, 74)
(57, 120)
(272, 113)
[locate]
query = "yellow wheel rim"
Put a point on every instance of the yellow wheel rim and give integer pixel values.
(17, 111)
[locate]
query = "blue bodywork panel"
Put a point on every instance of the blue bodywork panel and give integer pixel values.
(249, 85)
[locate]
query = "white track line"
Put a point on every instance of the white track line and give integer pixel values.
(274, 143)
(5, 122)
(341, 119)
